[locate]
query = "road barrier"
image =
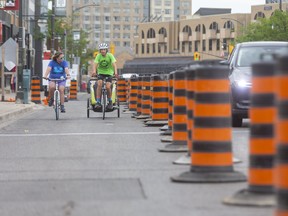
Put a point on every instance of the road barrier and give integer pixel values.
(281, 164)
(262, 115)
(139, 96)
(121, 90)
(211, 156)
(133, 94)
(170, 104)
(146, 95)
(179, 122)
(73, 90)
(159, 95)
(35, 90)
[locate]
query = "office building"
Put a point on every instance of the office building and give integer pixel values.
(116, 21)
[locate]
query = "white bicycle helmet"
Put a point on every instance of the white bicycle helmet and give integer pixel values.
(103, 46)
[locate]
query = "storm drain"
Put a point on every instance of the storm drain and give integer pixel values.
(77, 190)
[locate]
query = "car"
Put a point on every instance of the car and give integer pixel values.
(240, 72)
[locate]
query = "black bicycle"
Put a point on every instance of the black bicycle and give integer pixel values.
(91, 101)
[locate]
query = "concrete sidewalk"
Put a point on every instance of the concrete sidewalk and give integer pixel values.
(10, 109)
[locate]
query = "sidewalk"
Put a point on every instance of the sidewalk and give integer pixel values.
(10, 110)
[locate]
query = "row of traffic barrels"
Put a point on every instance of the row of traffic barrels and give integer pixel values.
(197, 106)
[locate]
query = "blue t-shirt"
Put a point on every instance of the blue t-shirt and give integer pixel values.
(57, 69)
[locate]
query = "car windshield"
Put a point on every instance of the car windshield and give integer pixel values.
(249, 55)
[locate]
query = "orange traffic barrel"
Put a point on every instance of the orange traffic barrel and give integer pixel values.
(159, 85)
(146, 95)
(262, 113)
(139, 96)
(159, 100)
(133, 94)
(211, 156)
(121, 89)
(35, 90)
(190, 92)
(281, 163)
(179, 124)
(73, 90)
(170, 104)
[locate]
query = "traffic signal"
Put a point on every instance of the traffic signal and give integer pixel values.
(231, 47)
(196, 56)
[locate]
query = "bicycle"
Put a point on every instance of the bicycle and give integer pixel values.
(56, 102)
(104, 99)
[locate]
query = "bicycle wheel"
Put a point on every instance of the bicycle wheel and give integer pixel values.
(118, 108)
(88, 108)
(104, 98)
(57, 104)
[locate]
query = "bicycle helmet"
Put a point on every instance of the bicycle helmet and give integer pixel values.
(103, 46)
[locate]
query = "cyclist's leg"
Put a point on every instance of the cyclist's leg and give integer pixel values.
(62, 97)
(51, 93)
(51, 89)
(109, 92)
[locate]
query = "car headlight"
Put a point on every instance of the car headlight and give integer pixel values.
(243, 83)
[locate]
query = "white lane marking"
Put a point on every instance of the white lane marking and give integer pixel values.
(77, 134)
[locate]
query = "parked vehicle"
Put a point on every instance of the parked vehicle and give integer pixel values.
(240, 75)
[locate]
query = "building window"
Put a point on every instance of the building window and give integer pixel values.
(165, 48)
(154, 47)
(196, 46)
(183, 47)
(190, 46)
(136, 49)
(204, 45)
(142, 48)
(148, 50)
(217, 44)
(159, 48)
(210, 44)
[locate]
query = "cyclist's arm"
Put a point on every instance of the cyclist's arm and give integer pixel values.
(115, 68)
(95, 65)
(47, 72)
(67, 72)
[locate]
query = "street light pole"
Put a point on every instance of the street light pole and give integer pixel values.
(280, 5)
(20, 92)
(53, 27)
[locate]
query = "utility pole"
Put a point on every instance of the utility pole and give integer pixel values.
(53, 27)
(21, 37)
(38, 43)
(280, 5)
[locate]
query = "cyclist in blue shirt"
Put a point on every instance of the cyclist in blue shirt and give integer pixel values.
(56, 69)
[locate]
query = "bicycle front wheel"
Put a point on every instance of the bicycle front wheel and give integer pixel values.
(57, 104)
(104, 99)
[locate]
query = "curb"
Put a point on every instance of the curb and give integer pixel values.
(22, 109)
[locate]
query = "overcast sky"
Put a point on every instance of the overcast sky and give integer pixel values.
(237, 6)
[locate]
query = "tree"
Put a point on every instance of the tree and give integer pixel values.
(273, 28)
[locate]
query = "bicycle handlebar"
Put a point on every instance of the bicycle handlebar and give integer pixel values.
(55, 79)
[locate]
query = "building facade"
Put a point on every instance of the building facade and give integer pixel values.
(116, 21)
(208, 35)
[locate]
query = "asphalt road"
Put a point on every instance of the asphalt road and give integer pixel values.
(94, 167)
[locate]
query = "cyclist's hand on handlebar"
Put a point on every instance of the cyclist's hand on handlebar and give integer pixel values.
(68, 76)
(46, 78)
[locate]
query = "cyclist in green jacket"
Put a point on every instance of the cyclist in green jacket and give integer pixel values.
(104, 66)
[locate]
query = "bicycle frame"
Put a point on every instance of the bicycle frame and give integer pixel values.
(56, 103)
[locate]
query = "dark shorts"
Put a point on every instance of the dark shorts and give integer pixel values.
(103, 76)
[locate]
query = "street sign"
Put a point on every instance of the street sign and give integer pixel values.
(9, 5)
(61, 3)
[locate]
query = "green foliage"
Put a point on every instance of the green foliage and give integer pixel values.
(273, 28)
(73, 47)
